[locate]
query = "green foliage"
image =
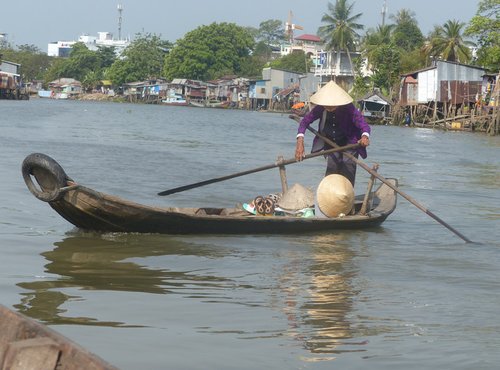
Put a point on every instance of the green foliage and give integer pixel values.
(448, 43)
(271, 31)
(386, 68)
(408, 36)
(376, 39)
(81, 64)
(361, 84)
(297, 61)
(54, 71)
(412, 60)
(33, 62)
(252, 65)
(262, 50)
(485, 27)
(209, 52)
(142, 59)
(91, 80)
(341, 29)
(106, 55)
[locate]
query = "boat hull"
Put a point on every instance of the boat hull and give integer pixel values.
(27, 344)
(91, 210)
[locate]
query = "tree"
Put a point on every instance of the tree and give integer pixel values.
(81, 61)
(485, 27)
(271, 32)
(33, 62)
(448, 43)
(295, 62)
(106, 55)
(407, 34)
(341, 29)
(412, 61)
(209, 52)
(142, 59)
(252, 65)
(386, 68)
(361, 83)
(376, 39)
(403, 16)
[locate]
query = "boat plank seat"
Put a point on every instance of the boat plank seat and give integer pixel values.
(28, 344)
(34, 353)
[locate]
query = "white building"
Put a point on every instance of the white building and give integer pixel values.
(63, 48)
(309, 44)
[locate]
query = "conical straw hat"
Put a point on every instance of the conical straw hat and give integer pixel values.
(297, 197)
(331, 95)
(335, 195)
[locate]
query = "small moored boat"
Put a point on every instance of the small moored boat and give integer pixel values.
(27, 344)
(92, 210)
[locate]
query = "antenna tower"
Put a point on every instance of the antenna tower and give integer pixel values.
(120, 10)
(384, 12)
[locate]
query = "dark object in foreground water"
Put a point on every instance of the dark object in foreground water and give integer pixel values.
(27, 344)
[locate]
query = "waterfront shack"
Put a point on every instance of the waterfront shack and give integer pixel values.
(11, 85)
(375, 107)
(276, 86)
(442, 93)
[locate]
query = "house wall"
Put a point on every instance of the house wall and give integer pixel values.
(460, 92)
(261, 89)
(332, 63)
(9, 67)
(458, 84)
(427, 86)
(308, 86)
(275, 80)
(446, 82)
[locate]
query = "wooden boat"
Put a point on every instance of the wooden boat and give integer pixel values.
(91, 210)
(27, 344)
(174, 99)
(197, 104)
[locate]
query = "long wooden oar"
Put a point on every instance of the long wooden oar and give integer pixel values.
(258, 169)
(385, 181)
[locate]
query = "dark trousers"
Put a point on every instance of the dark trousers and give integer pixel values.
(338, 163)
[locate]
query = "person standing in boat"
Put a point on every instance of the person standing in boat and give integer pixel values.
(341, 122)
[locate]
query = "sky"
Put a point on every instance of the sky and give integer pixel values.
(36, 22)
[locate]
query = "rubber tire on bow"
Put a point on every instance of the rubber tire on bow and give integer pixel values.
(58, 178)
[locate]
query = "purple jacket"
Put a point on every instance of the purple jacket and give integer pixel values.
(350, 121)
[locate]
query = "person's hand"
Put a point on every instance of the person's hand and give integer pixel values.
(364, 141)
(299, 149)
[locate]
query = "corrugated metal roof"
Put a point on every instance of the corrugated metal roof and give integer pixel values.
(376, 97)
(444, 62)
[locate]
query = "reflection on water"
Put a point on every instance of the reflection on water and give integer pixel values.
(318, 316)
(100, 262)
(310, 287)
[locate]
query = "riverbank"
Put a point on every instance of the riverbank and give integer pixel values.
(482, 121)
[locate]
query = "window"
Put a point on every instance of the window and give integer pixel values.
(262, 90)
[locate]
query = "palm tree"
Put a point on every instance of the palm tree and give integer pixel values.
(340, 29)
(447, 43)
(404, 16)
(375, 39)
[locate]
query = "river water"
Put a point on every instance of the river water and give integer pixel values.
(407, 295)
